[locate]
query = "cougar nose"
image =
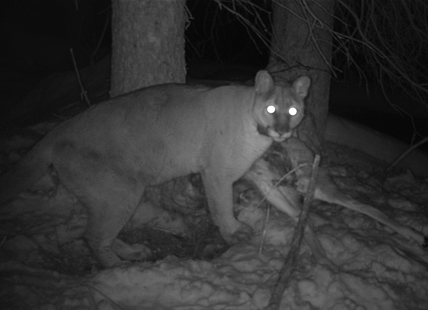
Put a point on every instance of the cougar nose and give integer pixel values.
(282, 124)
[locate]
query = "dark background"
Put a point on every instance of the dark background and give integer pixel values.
(36, 36)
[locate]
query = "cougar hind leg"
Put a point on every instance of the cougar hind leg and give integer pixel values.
(107, 216)
(110, 200)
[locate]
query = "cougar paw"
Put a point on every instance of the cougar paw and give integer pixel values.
(243, 233)
(135, 252)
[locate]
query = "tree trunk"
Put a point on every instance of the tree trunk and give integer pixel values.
(302, 45)
(148, 43)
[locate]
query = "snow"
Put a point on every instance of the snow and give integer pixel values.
(367, 265)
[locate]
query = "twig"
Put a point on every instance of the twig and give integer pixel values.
(268, 208)
(287, 268)
(103, 33)
(405, 153)
(262, 241)
(107, 298)
(82, 89)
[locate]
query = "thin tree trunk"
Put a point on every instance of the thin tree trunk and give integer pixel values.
(301, 45)
(148, 43)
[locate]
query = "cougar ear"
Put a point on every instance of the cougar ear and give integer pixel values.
(263, 82)
(301, 86)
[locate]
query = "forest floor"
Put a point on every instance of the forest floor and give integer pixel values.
(44, 263)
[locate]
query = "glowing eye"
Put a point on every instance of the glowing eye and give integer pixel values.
(292, 111)
(271, 109)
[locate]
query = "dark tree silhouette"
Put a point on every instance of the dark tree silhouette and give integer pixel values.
(382, 44)
(147, 44)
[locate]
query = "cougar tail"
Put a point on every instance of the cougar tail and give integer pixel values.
(26, 172)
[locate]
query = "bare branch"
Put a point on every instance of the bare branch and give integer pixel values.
(386, 39)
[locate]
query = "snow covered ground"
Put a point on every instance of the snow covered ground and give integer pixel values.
(367, 266)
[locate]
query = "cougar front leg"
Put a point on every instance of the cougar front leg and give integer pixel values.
(219, 195)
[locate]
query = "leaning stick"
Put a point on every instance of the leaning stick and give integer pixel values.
(287, 268)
